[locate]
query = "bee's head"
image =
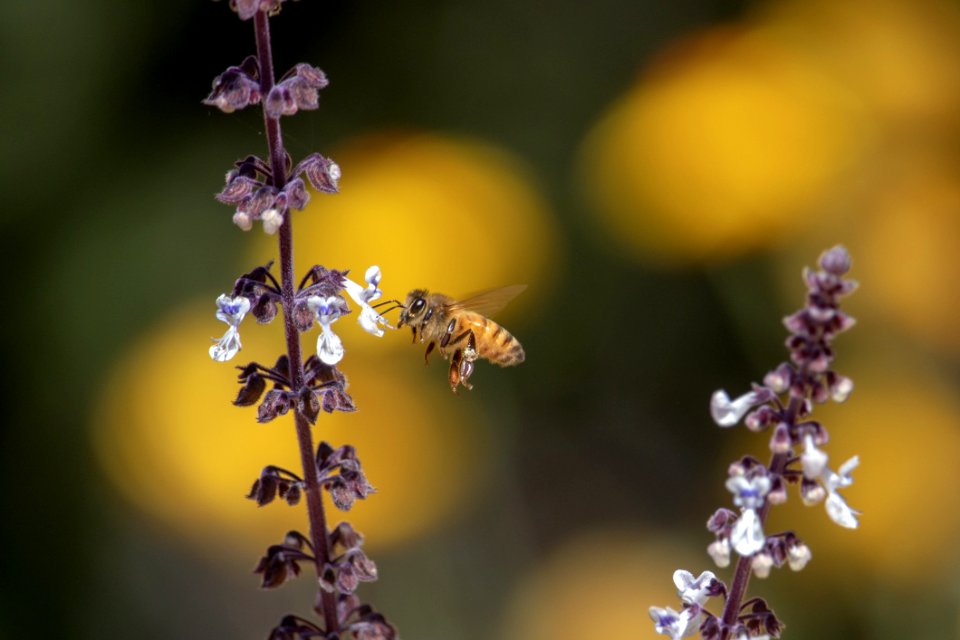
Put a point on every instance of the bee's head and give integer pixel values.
(413, 307)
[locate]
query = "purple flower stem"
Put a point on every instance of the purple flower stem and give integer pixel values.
(742, 572)
(314, 497)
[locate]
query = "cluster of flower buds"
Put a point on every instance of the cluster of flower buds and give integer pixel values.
(246, 9)
(339, 472)
(349, 565)
(282, 561)
(319, 299)
(248, 188)
(781, 405)
(361, 621)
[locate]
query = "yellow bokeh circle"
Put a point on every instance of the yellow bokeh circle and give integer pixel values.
(908, 253)
(719, 149)
(447, 214)
(599, 585)
(169, 438)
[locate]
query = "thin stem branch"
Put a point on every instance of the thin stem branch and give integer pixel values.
(314, 496)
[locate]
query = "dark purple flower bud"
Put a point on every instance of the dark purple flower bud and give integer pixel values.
(282, 366)
(236, 87)
(238, 188)
(710, 628)
(780, 441)
(251, 391)
(275, 403)
(363, 567)
(264, 489)
(281, 561)
(310, 75)
(280, 102)
(324, 453)
(265, 309)
(261, 200)
(346, 537)
(293, 493)
(835, 261)
(296, 194)
(343, 496)
(322, 173)
(303, 316)
(308, 404)
(347, 579)
(246, 9)
(720, 520)
(328, 579)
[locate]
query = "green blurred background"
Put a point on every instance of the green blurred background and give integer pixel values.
(658, 173)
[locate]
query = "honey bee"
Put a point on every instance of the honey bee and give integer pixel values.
(463, 329)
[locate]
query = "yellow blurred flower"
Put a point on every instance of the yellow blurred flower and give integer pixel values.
(168, 437)
(447, 214)
(727, 144)
(598, 586)
(909, 254)
(901, 58)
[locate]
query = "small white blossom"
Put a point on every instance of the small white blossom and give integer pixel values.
(676, 625)
(693, 590)
(328, 310)
(747, 535)
(727, 412)
(798, 556)
(841, 389)
(813, 460)
(837, 508)
(243, 220)
(761, 565)
(231, 311)
(748, 493)
(719, 551)
(369, 319)
(272, 219)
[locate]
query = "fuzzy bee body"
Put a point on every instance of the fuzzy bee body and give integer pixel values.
(463, 330)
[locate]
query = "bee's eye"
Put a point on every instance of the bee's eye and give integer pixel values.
(417, 306)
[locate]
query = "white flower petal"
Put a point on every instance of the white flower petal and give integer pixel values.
(232, 310)
(840, 512)
(748, 493)
(676, 625)
(370, 320)
(227, 346)
(727, 412)
(719, 551)
(798, 556)
(693, 590)
(747, 536)
(272, 219)
(329, 346)
(761, 565)
(813, 460)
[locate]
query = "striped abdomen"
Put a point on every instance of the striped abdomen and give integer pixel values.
(494, 342)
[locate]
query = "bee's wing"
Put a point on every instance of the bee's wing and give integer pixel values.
(490, 301)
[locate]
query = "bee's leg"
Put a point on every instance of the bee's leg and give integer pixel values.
(469, 356)
(426, 356)
(414, 330)
(445, 340)
(470, 353)
(454, 374)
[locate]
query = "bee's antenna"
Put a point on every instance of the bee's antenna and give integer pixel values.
(380, 304)
(388, 310)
